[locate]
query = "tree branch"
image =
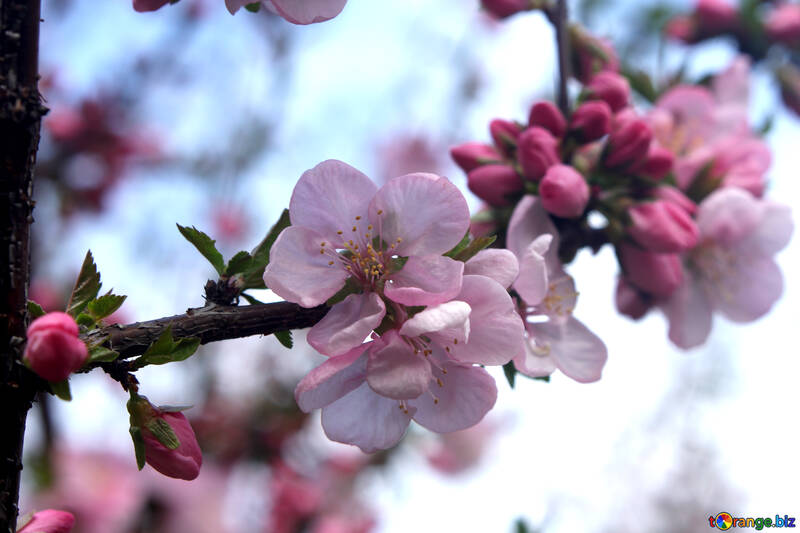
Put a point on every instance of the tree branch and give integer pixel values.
(559, 21)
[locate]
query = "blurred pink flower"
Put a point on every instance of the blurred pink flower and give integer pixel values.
(49, 521)
(295, 11)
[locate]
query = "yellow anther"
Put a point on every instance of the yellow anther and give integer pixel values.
(436, 401)
(354, 228)
(392, 247)
(439, 382)
(322, 243)
(356, 247)
(339, 232)
(447, 349)
(380, 211)
(455, 341)
(444, 371)
(369, 228)
(350, 242)
(399, 239)
(366, 235)
(322, 251)
(358, 217)
(330, 262)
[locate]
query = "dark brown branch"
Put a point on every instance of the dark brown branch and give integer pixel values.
(211, 323)
(559, 21)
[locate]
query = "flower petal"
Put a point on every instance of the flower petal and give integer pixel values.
(396, 370)
(499, 264)
(688, 311)
(528, 221)
(532, 281)
(366, 419)
(748, 290)
(578, 353)
(773, 232)
(329, 197)
(332, 379)
(298, 272)
(234, 5)
(729, 215)
(561, 297)
(347, 324)
(467, 393)
(308, 11)
(425, 280)
(536, 361)
(451, 318)
(426, 212)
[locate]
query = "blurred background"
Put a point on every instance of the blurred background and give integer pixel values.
(189, 115)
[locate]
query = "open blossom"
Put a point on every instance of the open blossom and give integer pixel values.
(561, 342)
(344, 227)
(731, 269)
(54, 350)
(295, 11)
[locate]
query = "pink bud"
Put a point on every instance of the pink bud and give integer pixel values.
(183, 462)
(629, 143)
(653, 273)
(49, 521)
(591, 54)
(783, 23)
(656, 165)
(148, 5)
(549, 117)
(471, 155)
(505, 8)
(54, 350)
(537, 150)
(662, 227)
(591, 121)
(676, 197)
(681, 28)
(630, 301)
(564, 192)
(494, 183)
(716, 16)
(504, 133)
(611, 88)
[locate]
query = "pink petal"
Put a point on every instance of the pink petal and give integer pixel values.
(428, 213)
(395, 371)
(773, 232)
(366, 419)
(298, 272)
(532, 281)
(347, 324)
(329, 197)
(499, 264)
(425, 280)
(49, 521)
(728, 215)
(308, 11)
(688, 311)
(496, 330)
(332, 379)
(578, 353)
(536, 361)
(529, 221)
(748, 290)
(466, 395)
(451, 318)
(561, 297)
(235, 5)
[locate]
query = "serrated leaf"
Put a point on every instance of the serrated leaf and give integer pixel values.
(166, 350)
(254, 277)
(61, 389)
(285, 338)
(250, 299)
(239, 263)
(460, 246)
(164, 433)
(35, 310)
(205, 245)
(138, 446)
(85, 320)
(474, 247)
(511, 373)
(105, 305)
(101, 354)
(86, 287)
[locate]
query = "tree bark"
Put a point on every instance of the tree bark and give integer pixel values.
(20, 119)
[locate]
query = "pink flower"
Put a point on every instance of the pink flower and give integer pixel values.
(591, 121)
(630, 301)
(611, 88)
(564, 192)
(674, 196)
(537, 150)
(549, 117)
(561, 342)
(459, 451)
(494, 184)
(54, 350)
(471, 155)
(783, 23)
(716, 16)
(344, 227)
(505, 8)
(148, 5)
(662, 227)
(295, 11)
(49, 521)
(657, 164)
(504, 133)
(732, 269)
(651, 272)
(628, 143)
(682, 28)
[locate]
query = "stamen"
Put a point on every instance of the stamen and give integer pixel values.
(439, 382)
(358, 217)
(380, 211)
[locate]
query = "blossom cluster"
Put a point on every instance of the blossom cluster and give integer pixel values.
(295, 11)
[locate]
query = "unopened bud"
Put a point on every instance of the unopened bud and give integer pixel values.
(662, 227)
(591, 121)
(494, 183)
(54, 350)
(471, 155)
(653, 273)
(657, 164)
(630, 301)
(628, 143)
(49, 521)
(564, 192)
(537, 150)
(546, 115)
(149, 5)
(504, 133)
(783, 23)
(611, 88)
(505, 8)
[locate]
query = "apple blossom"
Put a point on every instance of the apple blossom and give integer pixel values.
(505, 134)
(54, 350)
(537, 150)
(564, 192)
(662, 227)
(295, 11)
(654, 273)
(591, 120)
(783, 23)
(471, 155)
(611, 88)
(49, 521)
(548, 116)
(494, 184)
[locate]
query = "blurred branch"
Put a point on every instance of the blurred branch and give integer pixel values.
(210, 324)
(559, 20)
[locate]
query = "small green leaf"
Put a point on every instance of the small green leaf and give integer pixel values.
(35, 310)
(285, 338)
(546, 379)
(350, 287)
(239, 263)
(460, 246)
(61, 389)
(85, 320)
(138, 446)
(105, 305)
(86, 287)
(205, 245)
(101, 354)
(162, 431)
(474, 247)
(254, 277)
(511, 373)
(250, 299)
(166, 350)
(253, 8)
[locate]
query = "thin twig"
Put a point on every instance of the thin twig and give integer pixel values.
(559, 21)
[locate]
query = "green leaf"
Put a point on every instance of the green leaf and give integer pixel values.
(85, 320)
(254, 277)
(86, 287)
(460, 246)
(61, 389)
(546, 379)
(138, 446)
(35, 310)
(101, 354)
(205, 245)
(285, 338)
(162, 431)
(253, 8)
(239, 263)
(350, 287)
(166, 350)
(105, 305)
(511, 373)
(474, 247)
(642, 84)
(250, 299)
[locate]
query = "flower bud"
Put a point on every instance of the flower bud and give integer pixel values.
(54, 350)
(49, 521)
(630, 301)
(564, 192)
(681, 28)
(783, 23)
(628, 143)
(657, 164)
(676, 197)
(716, 16)
(148, 5)
(653, 273)
(471, 155)
(591, 121)
(549, 117)
(504, 133)
(505, 8)
(537, 150)
(611, 88)
(662, 227)
(590, 54)
(494, 183)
